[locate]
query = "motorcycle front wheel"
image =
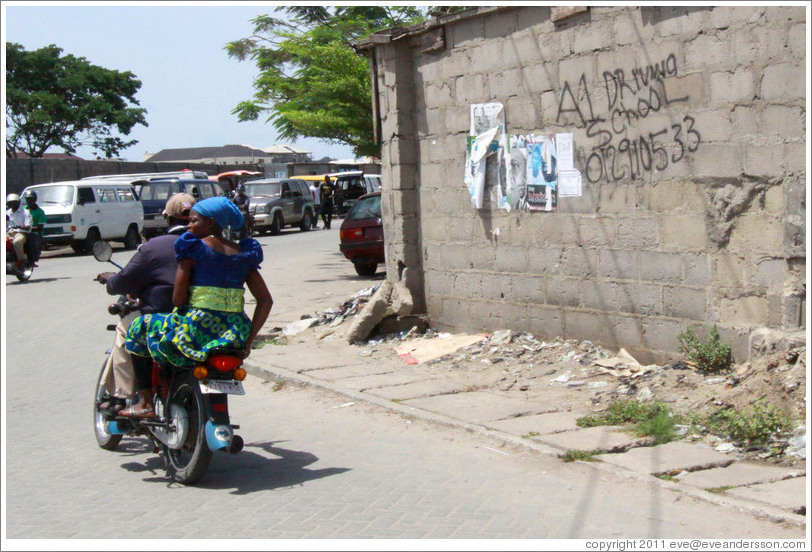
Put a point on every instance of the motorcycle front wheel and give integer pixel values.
(105, 439)
(189, 462)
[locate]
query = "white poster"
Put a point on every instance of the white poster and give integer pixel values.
(484, 163)
(569, 178)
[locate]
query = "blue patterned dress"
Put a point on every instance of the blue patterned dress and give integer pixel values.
(214, 317)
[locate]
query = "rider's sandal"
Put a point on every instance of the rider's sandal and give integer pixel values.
(113, 406)
(138, 412)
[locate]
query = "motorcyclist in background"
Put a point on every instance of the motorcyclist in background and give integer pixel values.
(150, 276)
(18, 219)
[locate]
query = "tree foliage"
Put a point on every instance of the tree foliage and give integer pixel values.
(65, 101)
(313, 82)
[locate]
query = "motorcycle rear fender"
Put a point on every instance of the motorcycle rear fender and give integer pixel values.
(216, 405)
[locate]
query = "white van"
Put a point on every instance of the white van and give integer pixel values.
(81, 212)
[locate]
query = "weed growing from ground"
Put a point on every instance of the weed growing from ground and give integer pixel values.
(650, 419)
(721, 489)
(709, 356)
(754, 424)
(583, 455)
(262, 341)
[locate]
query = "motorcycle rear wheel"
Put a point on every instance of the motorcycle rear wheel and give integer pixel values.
(189, 462)
(105, 439)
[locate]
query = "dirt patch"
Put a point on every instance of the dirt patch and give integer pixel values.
(569, 374)
(580, 377)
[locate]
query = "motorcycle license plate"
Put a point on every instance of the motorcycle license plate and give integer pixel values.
(222, 386)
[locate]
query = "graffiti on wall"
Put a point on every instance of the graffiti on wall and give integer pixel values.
(621, 151)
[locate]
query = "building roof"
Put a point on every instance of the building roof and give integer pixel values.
(284, 148)
(184, 154)
(233, 150)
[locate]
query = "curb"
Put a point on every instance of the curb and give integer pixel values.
(765, 511)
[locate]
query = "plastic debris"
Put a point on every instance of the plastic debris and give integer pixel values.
(623, 365)
(299, 326)
(563, 378)
(725, 447)
(501, 337)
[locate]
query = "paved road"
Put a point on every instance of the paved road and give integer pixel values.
(314, 466)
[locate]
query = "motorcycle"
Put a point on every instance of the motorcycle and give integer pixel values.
(191, 405)
(33, 248)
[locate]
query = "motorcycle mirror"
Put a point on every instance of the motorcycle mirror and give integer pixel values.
(103, 251)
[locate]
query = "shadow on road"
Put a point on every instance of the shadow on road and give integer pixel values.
(34, 280)
(349, 277)
(243, 473)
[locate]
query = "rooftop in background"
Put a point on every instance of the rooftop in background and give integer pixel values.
(234, 153)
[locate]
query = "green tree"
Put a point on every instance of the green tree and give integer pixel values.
(313, 81)
(65, 101)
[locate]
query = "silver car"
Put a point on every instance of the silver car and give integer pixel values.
(280, 202)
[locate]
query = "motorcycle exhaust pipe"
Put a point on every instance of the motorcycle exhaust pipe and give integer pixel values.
(236, 445)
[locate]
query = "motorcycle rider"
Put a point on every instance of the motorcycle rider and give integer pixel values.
(150, 275)
(19, 219)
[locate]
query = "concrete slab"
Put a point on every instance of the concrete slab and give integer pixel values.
(380, 380)
(669, 458)
(789, 494)
(598, 439)
(419, 389)
(478, 406)
(540, 424)
(354, 371)
(294, 358)
(738, 474)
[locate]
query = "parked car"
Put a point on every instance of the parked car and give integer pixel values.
(81, 212)
(154, 194)
(280, 202)
(361, 234)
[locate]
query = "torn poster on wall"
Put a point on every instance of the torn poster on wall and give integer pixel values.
(512, 171)
(532, 175)
(485, 156)
(542, 174)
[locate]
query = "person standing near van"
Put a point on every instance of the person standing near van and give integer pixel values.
(327, 192)
(316, 191)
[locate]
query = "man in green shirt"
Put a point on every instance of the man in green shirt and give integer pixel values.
(34, 242)
(37, 214)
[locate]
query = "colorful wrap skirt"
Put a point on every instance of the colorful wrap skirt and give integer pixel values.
(185, 336)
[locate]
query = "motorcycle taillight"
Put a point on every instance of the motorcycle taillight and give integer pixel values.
(224, 363)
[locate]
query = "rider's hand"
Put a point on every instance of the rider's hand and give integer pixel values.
(104, 276)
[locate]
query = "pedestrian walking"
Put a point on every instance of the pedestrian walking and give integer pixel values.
(327, 189)
(315, 189)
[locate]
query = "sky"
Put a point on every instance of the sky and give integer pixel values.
(189, 85)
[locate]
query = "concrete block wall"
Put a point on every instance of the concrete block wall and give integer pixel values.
(689, 130)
